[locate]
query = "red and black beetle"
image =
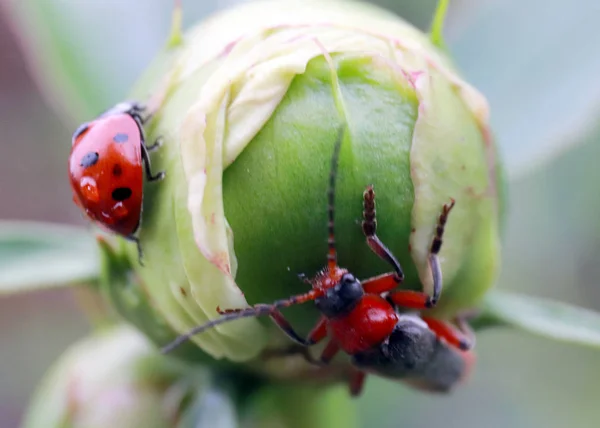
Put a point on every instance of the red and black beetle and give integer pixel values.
(362, 318)
(107, 163)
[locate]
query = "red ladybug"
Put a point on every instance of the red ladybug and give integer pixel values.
(105, 168)
(363, 318)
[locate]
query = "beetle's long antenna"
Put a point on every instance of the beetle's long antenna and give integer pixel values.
(272, 309)
(332, 253)
(235, 314)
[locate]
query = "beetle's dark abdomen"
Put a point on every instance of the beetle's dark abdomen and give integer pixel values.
(414, 353)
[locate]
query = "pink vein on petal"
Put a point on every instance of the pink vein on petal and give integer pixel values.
(220, 260)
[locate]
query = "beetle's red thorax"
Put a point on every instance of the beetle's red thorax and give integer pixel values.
(367, 325)
(110, 188)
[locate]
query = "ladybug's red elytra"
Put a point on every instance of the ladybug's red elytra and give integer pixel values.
(107, 163)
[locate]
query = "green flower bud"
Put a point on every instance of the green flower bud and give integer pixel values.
(249, 106)
(114, 378)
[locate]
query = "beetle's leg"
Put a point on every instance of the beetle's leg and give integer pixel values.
(418, 299)
(146, 158)
(436, 245)
(261, 309)
(294, 349)
(317, 334)
(329, 352)
(369, 227)
(405, 298)
(449, 333)
(381, 283)
(357, 381)
(411, 299)
(461, 321)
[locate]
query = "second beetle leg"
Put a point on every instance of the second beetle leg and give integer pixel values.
(357, 381)
(369, 227)
(436, 246)
(329, 352)
(381, 283)
(451, 335)
(411, 299)
(317, 334)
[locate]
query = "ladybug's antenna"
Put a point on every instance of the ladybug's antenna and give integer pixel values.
(332, 253)
(236, 314)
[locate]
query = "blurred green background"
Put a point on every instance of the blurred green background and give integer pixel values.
(538, 63)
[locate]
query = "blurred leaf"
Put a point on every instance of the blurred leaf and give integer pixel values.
(537, 63)
(41, 255)
(86, 55)
(541, 84)
(544, 317)
(61, 64)
(437, 27)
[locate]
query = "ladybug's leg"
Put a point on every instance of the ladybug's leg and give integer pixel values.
(157, 143)
(146, 158)
(436, 245)
(317, 334)
(135, 239)
(369, 227)
(449, 333)
(357, 381)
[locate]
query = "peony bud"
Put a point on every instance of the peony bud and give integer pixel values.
(116, 378)
(249, 106)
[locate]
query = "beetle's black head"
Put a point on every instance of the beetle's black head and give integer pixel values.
(341, 298)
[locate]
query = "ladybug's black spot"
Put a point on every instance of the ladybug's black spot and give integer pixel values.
(89, 159)
(117, 170)
(120, 138)
(121, 193)
(79, 132)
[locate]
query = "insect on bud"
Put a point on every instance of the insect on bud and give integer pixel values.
(249, 106)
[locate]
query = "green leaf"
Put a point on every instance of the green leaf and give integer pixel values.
(60, 62)
(543, 317)
(437, 27)
(41, 255)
